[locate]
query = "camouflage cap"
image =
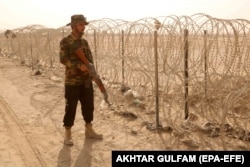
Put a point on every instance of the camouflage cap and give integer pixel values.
(76, 19)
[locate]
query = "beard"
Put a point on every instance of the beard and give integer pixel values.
(80, 32)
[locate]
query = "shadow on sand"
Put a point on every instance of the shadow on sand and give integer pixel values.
(64, 157)
(84, 159)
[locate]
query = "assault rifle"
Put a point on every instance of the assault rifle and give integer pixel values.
(93, 73)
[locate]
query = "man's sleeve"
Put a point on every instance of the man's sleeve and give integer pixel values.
(64, 59)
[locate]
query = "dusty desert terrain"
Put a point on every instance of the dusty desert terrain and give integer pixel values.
(31, 134)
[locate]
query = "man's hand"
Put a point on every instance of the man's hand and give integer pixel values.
(93, 72)
(83, 68)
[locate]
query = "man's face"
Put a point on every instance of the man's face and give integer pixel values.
(79, 28)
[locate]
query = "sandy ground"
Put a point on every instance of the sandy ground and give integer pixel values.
(31, 134)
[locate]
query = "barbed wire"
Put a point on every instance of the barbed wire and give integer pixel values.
(218, 57)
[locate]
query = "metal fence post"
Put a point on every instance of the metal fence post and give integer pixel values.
(123, 76)
(157, 27)
(205, 60)
(156, 80)
(186, 72)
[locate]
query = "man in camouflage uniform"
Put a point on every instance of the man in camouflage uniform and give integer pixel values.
(78, 82)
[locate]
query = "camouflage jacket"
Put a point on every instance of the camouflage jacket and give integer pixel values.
(68, 57)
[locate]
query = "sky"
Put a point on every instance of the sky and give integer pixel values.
(57, 13)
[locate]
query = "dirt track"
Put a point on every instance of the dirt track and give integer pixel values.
(30, 134)
(31, 111)
(16, 141)
(31, 114)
